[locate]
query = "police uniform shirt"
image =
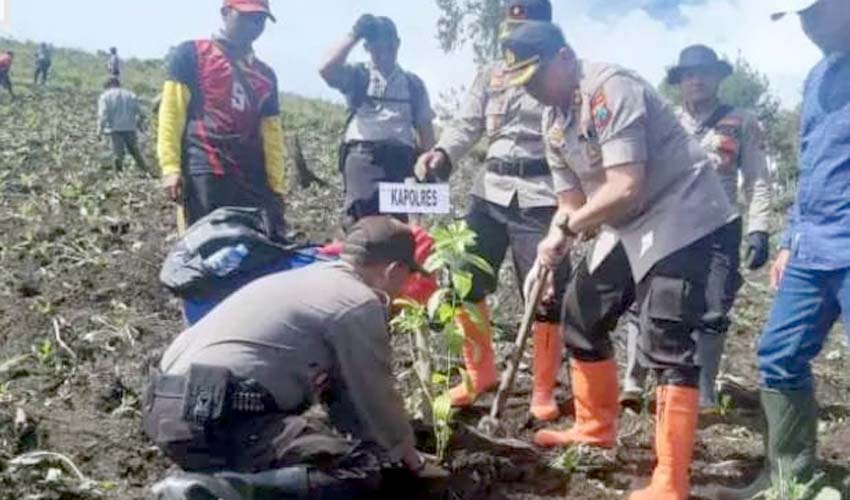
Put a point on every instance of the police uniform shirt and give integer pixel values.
(511, 120)
(288, 329)
(620, 119)
(393, 116)
(736, 144)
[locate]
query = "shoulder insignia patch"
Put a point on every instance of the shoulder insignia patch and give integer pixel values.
(600, 111)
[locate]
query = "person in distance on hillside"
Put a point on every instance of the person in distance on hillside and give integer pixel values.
(113, 63)
(733, 140)
(271, 351)
(43, 60)
(512, 207)
(812, 270)
(390, 116)
(6, 60)
(118, 116)
(220, 134)
(620, 159)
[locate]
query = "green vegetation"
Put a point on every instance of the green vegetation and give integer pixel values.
(450, 261)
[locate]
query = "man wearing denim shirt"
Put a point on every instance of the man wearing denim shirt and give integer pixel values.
(812, 271)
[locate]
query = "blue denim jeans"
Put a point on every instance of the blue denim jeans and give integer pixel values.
(808, 304)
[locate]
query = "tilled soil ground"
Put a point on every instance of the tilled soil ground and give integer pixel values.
(82, 315)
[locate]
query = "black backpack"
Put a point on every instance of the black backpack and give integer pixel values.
(360, 94)
(186, 272)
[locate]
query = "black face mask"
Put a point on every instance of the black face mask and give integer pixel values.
(830, 33)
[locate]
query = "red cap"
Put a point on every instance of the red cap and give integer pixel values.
(251, 6)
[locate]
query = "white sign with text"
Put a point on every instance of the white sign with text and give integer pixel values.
(398, 198)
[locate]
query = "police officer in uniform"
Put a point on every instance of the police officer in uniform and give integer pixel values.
(733, 140)
(228, 399)
(390, 117)
(621, 160)
(512, 206)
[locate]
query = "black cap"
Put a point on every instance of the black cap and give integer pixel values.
(698, 57)
(529, 10)
(381, 239)
(528, 46)
(383, 29)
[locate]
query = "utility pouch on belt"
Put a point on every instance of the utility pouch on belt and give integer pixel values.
(206, 394)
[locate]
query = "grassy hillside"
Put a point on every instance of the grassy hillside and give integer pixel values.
(76, 70)
(82, 316)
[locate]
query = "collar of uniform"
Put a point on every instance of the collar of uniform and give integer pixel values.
(225, 45)
(374, 69)
(702, 117)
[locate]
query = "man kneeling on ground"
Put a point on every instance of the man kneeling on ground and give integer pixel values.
(229, 394)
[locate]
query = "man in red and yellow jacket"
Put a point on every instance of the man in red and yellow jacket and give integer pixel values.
(220, 134)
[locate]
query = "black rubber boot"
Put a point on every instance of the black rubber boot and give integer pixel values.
(289, 483)
(791, 444)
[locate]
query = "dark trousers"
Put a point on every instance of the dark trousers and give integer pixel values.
(204, 193)
(123, 143)
(671, 303)
(364, 166)
(41, 73)
(724, 281)
(337, 467)
(5, 82)
(521, 229)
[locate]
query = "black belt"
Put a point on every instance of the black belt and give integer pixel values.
(243, 396)
(371, 146)
(519, 168)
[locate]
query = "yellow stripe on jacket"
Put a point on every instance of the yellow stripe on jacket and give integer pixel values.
(173, 113)
(271, 131)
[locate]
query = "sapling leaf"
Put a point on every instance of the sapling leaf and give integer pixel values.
(439, 378)
(435, 301)
(462, 283)
(445, 313)
(480, 263)
(453, 337)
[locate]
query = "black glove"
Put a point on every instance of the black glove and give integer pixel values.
(758, 250)
(364, 27)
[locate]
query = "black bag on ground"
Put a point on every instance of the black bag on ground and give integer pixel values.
(221, 249)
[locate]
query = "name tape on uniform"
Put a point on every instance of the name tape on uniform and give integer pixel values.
(397, 198)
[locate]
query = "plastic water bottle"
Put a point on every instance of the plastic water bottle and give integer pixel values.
(226, 260)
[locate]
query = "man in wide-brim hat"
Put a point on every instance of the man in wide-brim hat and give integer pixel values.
(698, 58)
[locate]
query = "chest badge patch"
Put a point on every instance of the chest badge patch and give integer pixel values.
(557, 136)
(600, 111)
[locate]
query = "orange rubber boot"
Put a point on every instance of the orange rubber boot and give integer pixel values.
(478, 357)
(675, 433)
(548, 354)
(595, 395)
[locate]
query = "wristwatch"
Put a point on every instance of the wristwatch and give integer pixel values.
(562, 222)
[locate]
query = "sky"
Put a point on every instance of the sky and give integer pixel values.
(645, 35)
